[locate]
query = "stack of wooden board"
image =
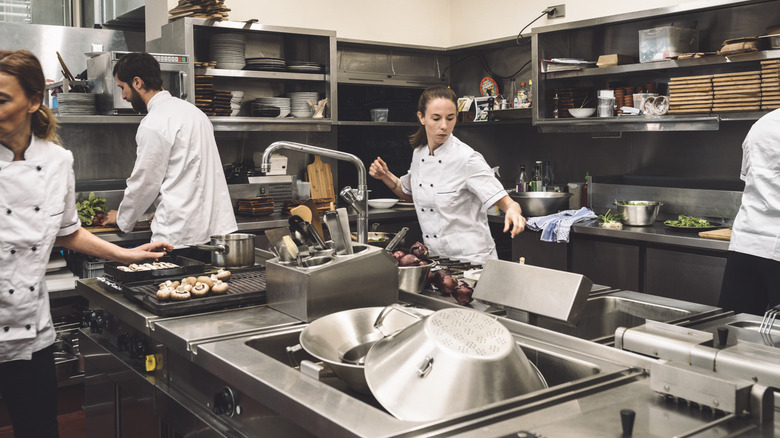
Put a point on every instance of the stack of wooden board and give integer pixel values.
(572, 98)
(208, 9)
(737, 91)
(690, 95)
(322, 205)
(770, 84)
(259, 206)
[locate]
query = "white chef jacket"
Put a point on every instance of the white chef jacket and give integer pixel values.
(452, 191)
(37, 204)
(179, 170)
(756, 228)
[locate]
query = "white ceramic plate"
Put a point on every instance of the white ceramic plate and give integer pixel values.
(382, 202)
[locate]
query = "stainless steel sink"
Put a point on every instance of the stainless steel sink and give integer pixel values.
(602, 315)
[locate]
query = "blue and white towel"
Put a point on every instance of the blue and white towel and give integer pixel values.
(556, 227)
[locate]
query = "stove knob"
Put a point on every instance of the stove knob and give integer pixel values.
(225, 403)
(627, 421)
(123, 342)
(138, 347)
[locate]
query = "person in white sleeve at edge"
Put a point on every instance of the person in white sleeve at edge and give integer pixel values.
(38, 208)
(751, 280)
(451, 184)
(177, 165)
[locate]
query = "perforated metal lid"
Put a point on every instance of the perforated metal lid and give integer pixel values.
(469, 333)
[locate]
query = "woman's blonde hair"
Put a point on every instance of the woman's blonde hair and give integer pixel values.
(26, 68)
(419, 138)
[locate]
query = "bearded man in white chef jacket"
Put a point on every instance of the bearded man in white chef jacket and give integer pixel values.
(177, 166)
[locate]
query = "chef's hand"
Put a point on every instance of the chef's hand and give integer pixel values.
(379, 169)
(152, 250)
(514, 222)
(110, 218)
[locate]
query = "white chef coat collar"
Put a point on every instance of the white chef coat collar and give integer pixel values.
(158, 97)
(447, 145)
(33, 151)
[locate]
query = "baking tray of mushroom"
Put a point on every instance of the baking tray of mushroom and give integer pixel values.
(188, 294)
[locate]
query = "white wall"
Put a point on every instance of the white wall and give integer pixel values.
(434, 23)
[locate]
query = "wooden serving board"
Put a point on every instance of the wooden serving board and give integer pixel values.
(113, 229)
(722, 234)
(321, 179)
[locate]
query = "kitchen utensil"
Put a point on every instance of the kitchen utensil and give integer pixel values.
(541, 203)
(454, 360)
(314, 236)
(340, 242)
(382, 202)
(231, 250)
(321, 179)
(303, 211)
(722, 234)
(329, 337)
(316, 219)
(582, 112)
(638, 213)
(344, 222)
(300, 231)
(769, 320)
(399, 237)
(412, 279)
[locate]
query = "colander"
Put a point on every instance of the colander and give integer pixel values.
(451, 361)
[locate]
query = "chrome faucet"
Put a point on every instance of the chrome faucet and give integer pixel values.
(359, 198)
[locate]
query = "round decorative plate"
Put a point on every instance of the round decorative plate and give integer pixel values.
(488, 86)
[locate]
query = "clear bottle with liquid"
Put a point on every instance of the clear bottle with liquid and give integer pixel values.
(521, 185)
(555, 106)
(547, 176)
(536, 178)
(513, 94)
(522, 95)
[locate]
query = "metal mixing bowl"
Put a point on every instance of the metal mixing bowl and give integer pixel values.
(638, 215)
(541, 203)
(412, 279)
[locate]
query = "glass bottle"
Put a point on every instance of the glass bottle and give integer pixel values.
(522, 180)
(522, 95)
(513, 94)
(555, 106)
(536, 179)
(547, 176)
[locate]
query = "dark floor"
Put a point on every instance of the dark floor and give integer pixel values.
(71, 414)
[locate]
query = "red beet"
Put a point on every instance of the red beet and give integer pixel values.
(409, 260)
(398, 254)
(463, 293)
(448, 285)
(438, 275)
(420, 250)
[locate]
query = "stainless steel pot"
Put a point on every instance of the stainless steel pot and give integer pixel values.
(638, 213)
(452, 361)
(331, 337)
(235, 250)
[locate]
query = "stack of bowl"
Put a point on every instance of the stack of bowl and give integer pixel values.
(235, 102)
(302, 103)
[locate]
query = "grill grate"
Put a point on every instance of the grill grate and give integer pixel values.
(246, 287)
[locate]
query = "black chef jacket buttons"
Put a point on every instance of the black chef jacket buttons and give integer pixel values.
(439, 161)
(6, 328)
(37, 208)
(34, 248)
(431, 185)
(13, 251)
(11, 291)
(435, 236)
(423, 160)
(7, 211)
(32, 288)
(38, 168)
(427, 236)
(28, 326)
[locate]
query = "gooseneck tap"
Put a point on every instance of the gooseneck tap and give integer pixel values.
(360, 201)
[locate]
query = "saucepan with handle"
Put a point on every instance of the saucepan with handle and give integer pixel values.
(236, 250)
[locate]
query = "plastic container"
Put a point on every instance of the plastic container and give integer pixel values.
(379, 114)
(93, 268)
(665, 42)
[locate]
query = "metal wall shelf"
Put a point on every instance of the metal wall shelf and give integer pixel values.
(252, 74)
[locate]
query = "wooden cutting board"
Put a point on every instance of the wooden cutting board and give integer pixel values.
(722, 234)
(321, 179)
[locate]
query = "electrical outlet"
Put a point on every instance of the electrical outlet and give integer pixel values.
(558, 11)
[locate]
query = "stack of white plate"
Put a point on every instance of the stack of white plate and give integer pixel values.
(76, 103)
(299, 103)
(283, 103)
(228, 49)
(235, 102)
(305, 67)
(267, 64)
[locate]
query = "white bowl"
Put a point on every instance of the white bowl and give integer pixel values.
(382, 202)
(582, 112)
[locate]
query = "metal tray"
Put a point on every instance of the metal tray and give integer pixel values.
(247, 286)
(187, 266)
(714, 226)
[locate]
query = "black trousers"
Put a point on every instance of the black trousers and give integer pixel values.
(192, 253)
(29, 389)
(750, 284)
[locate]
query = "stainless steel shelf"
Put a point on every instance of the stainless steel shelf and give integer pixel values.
(99, 120)
(252, 74)
(376, 124)
(631, 123)
(224, 123)
(664, 65)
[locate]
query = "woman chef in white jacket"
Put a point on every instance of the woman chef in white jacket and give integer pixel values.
(38, 208)
(451, 184)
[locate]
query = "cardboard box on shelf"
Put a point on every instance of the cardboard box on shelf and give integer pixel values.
(614, 59)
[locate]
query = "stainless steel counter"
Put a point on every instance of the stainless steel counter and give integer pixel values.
(657, 233)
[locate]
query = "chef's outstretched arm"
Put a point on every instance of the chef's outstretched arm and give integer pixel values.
(514, 222)
(380, 171)
(87, 243)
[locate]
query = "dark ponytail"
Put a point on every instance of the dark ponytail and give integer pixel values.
(26, 68)
(420, 138)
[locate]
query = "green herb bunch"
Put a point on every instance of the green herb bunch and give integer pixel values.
(92, 211)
